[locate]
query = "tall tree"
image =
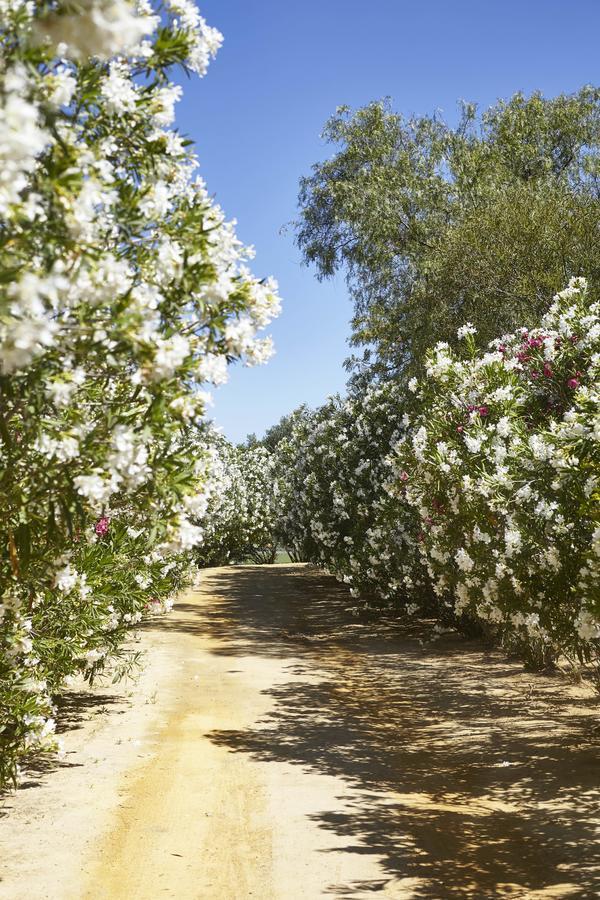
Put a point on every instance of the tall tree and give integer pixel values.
(435, 225)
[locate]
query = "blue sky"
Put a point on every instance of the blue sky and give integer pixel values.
(258, 114)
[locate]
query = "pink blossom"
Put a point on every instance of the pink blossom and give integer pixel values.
(573, 383)
(483, 411)
(101, 527)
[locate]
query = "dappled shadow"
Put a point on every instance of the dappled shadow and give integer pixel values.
(468, 778)
(73, 709)
(268, 607)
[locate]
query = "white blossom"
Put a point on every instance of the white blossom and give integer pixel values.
(100, 28)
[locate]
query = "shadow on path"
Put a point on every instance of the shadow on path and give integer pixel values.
(72, 710)
(470, 777)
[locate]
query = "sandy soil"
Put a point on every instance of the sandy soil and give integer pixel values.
(275, 747)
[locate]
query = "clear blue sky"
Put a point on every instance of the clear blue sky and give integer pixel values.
(258, 114)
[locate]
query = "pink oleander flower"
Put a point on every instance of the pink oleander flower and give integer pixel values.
(573, 383)
(483, 411)
(404, 476)
(101, 526)
(547, 370)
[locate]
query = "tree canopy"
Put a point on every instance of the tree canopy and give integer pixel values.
(434, 225)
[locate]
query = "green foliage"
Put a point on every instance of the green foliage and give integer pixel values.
(283, 429)
(437, 225)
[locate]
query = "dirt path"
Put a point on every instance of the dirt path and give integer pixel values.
(277, 748)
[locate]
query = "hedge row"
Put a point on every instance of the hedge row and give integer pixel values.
(478, 486)
(123, 290)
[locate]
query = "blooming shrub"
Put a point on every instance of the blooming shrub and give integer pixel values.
(502, 465)
(243, 511)
(337, 514)
(123, 290)
(488, 471)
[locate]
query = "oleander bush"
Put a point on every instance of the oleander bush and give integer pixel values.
(502, 466)
(123, 291)
(336, 513)
(240, 523)
(479, 485)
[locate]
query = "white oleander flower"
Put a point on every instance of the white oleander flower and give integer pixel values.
(466, 330)
(95, 28)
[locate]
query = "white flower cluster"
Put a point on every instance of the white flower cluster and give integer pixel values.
(22, 137)
(205, 41)
(333, 470)
(508, 510)
(95, 28)
(241, 515)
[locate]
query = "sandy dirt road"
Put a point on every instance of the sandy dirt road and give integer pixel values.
(276, 748)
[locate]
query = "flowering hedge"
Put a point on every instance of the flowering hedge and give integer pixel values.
(123, 290)
(240, 523)
(336, 513)
(481, 483)
(503, 465)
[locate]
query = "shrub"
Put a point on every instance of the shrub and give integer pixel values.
(333, 469)
(487, 471)
(122, 291)
(502, 464)
(240, 522)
